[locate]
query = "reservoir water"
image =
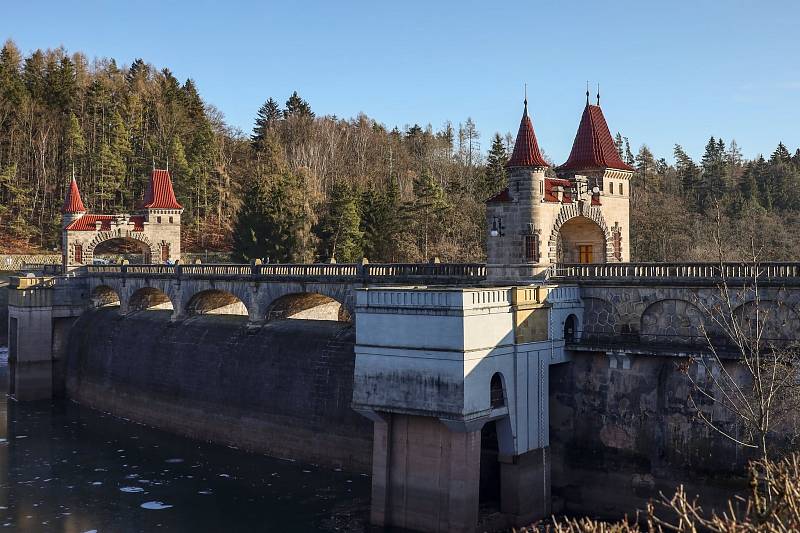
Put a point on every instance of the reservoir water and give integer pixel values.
(65, 468)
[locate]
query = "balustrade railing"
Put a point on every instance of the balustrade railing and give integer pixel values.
(445, 272)
(673, 271)
(45, 268)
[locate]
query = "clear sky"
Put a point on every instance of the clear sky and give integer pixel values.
(669, 71)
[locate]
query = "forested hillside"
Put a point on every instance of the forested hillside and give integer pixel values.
(302, 187)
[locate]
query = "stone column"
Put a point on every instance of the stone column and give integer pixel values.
(424, 476)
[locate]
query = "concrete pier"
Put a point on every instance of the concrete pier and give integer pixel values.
(436, 366)
(40, 314)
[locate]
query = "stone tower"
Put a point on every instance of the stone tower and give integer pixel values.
(155, 229)
(580, 216)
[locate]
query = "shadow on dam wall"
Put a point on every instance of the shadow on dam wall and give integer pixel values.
(283, 389)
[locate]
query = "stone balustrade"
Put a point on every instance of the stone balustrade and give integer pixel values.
(715, 273)
(382, 273)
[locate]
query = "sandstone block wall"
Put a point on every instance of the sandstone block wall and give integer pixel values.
(620, 433)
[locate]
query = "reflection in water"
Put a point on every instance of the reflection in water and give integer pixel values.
(68, 469)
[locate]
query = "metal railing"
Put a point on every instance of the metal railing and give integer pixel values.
(377, 272)
(680, 271)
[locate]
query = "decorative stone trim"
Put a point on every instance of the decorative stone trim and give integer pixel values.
(579, 209)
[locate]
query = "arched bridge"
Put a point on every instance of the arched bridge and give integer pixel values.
(258, 291)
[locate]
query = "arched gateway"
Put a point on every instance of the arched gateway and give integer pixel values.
(580, 216)
(154, 230)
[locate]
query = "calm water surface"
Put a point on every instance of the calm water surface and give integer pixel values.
(69, 469)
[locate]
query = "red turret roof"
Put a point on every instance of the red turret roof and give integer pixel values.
(159, 194)
(73, 202)
(593, 148)
(526, 149)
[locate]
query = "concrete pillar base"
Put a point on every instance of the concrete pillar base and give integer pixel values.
(525, 487)
(424, 476)
(31, 381)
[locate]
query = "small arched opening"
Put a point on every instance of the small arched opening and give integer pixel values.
(118, 249)
(308, 306)
(571, 329)
(489, 487)
(104, 296)
(496, 393)
(149, 298)
(581, 240)
(216, 302)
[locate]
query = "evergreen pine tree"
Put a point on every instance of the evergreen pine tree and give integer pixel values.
(619, 143)
(342, 236)
(629, 158)
(688, 175)
(297, 107)
(269, 114)
(275, 220)
(495, 167)
(76, 144)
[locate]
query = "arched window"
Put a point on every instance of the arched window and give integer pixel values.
(616, 241)
(570, 326)
(496, 395)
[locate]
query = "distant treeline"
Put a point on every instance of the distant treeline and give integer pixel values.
(303, 187)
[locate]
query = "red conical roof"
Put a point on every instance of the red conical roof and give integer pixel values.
(73, 202)
(526, 149)
(593, 148)
(159, 194)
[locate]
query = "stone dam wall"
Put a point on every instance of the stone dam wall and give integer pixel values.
(621, 429)
(283, 390)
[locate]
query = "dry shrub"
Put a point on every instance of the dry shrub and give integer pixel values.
(773, 506)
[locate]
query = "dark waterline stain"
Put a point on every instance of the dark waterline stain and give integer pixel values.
(66, 468)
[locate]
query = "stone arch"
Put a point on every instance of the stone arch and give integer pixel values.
(572, 211)
(780, 323)
(102, 236)
(104, 296)
(672, 321)
(216, 301)
(149, 297)
(308, 306)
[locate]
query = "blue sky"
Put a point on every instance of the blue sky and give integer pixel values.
(669, 72)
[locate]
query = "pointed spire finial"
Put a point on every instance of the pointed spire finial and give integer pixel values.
(73, 171)
(167, 163)
(154, 163)
(587, 92)
(525, 101)
(598, 94)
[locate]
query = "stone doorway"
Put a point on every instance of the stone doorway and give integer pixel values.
(581, 240)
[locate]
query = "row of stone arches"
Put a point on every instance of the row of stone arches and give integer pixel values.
(214, 301)
(678, 321)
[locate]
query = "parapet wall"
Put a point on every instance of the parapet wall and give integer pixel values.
(283, 389)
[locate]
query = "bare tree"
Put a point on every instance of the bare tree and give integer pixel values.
(750, 370)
